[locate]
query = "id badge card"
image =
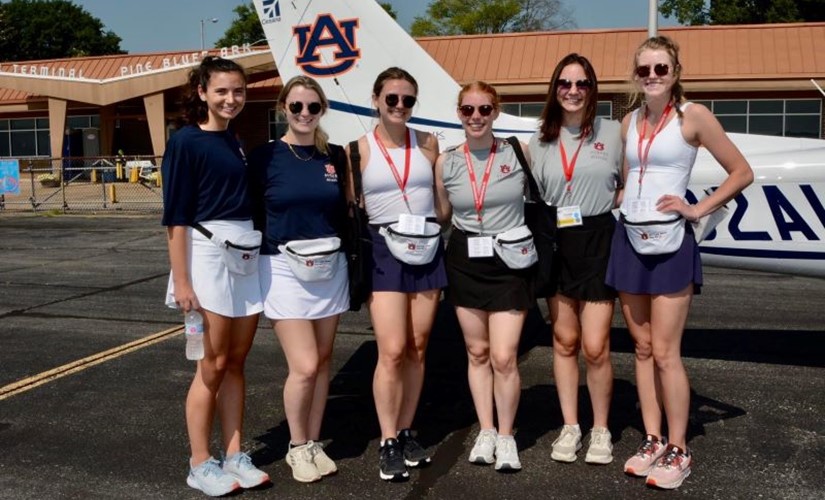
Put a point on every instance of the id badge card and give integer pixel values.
(411, 224)
(638, 208)
(569, 216)
(480, 246)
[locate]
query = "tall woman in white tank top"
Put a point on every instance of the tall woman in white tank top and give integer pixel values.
(656, 319)
(397, 172)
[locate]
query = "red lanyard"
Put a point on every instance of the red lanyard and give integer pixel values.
(402, 183)
(659, 126)
(479, 193)
(569, 167)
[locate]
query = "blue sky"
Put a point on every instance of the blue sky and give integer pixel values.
(163, 25)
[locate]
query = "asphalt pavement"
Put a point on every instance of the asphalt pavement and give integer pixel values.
(93, 379)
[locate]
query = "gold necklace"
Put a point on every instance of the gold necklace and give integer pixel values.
(296, 155)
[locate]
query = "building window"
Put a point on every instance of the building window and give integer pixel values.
(81, 122)
(277, 125)
(782, 117)
(22, 137)
(534, 109)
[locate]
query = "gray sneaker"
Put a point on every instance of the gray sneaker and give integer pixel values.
(507, 454)
(299, 459)
(567, 444)
(484, 449)
(601, 447)
(209, 478)
(322, 462)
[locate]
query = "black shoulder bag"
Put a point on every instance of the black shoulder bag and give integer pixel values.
(357, 241)
(541, 219)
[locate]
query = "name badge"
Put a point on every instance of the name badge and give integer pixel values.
(411, 224)
(480, 246)
(569, 216)
(639, 207)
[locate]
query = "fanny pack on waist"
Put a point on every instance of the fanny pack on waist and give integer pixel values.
(241, 254)
(312, 260)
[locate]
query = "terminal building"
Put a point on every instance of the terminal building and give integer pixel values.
(757, 79)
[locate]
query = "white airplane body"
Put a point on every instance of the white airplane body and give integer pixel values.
(777, 224)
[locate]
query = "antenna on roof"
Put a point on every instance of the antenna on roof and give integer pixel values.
(818, 87)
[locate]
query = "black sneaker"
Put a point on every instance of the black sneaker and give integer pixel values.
(391, 461)
(414, 454)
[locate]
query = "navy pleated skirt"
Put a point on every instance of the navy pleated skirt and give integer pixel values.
(628, 271)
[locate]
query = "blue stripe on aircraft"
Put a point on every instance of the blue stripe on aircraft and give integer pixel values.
(763, 254)
(370, 113)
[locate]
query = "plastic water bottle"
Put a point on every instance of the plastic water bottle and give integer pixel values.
(193, 329)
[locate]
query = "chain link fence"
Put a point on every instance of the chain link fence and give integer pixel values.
(88, 184)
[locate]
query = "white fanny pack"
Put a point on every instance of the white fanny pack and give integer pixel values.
(516, 248)
(655, 237)
(415, 249)
(241, 254)
(312, 260)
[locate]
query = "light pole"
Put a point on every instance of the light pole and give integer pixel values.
(212, 20)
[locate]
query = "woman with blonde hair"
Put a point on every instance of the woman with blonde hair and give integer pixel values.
(654, 261)
(300, 203)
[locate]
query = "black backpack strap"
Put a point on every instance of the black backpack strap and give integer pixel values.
(535, 195)
(202, 230)
(355, 163)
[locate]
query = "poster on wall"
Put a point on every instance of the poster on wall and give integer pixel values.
(9, 177)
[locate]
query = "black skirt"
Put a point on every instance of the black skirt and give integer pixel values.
(582, 256)
(484, 283)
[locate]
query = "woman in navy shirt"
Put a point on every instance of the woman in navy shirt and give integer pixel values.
(299, 201)
(204, 172)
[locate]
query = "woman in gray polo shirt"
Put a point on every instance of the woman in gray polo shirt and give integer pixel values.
(577, 160)
(481, 184)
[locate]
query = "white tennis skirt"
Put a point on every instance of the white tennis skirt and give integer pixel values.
(228, 294)
(287, 297)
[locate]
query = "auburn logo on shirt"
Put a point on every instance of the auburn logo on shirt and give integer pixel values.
(329, 173)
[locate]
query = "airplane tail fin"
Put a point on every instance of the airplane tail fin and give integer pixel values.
(344, 45)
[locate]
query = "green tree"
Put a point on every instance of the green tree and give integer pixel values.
(696, 12)
(388, 7)
(39, 29)
(463, 17)
(245, 28)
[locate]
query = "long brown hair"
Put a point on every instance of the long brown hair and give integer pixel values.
(662, 42)
(553, 113)
(321, 137)
(196, 110)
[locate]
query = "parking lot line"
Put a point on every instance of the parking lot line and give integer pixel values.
(75, 366)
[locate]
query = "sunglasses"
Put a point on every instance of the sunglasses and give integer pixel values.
(566, 84)
(484, 110)
(296, 107)
(660, 70)
(408, 101)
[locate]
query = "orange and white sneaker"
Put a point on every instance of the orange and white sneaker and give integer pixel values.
(671, 469)
(640, 464)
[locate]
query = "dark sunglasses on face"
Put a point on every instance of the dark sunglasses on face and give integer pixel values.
(660, 70)
(484, 110)
(566, 84)
(296, 107)
(408, 101)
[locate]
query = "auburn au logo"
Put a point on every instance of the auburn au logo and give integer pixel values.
(327, 33)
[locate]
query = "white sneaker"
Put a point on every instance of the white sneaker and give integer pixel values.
(601, 447)
(567, 444)
(303, 468)
(209, 478)
(322, 462)
(241, 468)
(484, 449)
(507, 454)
